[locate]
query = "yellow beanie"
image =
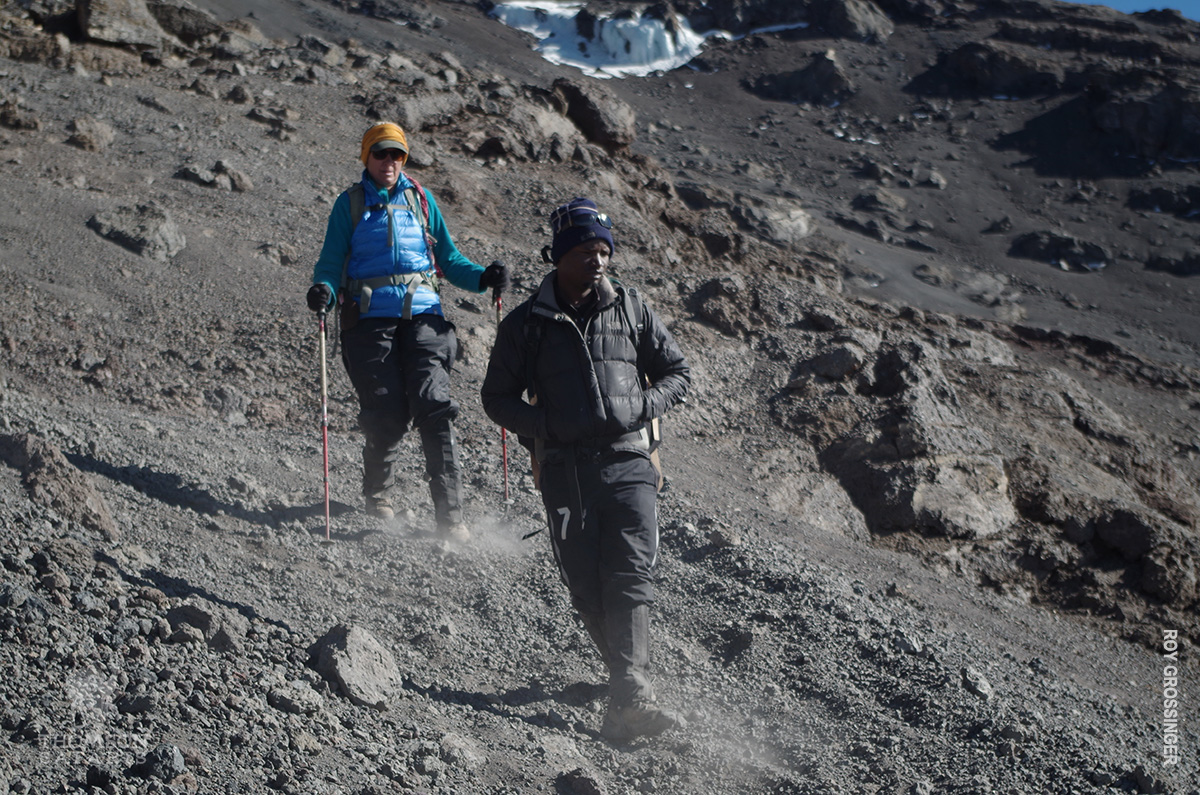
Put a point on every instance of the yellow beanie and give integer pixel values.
(385, 131)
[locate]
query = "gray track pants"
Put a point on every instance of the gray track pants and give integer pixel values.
(604, 533)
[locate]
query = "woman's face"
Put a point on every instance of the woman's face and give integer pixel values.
(385, 170)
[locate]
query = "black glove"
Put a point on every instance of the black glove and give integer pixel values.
(495, 276)
(319, 297)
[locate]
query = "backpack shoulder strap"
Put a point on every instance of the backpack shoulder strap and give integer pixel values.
(416, 198)
(419, 202)
(534, 327)
(631, 307)
(358, 203)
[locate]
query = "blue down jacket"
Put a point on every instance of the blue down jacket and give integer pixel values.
(388, 240)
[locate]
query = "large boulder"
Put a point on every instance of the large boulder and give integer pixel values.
(1066, 251)
(1130, 508)
(91, 134)
(52, 480)
(1158, 120)
(429, 110)
(121, 22)
(861, 20)
(146, 229)
(601, 117)
(183, 20)
(992, 68)
(822, 82)
(924, 464)
(785, 225)
(222, 628)
(962, 497)
(359, 665)
(527, 132)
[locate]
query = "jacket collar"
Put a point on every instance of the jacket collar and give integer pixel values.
(546, 300)
(373, 194)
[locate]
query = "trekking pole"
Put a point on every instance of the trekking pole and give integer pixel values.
(324, 417)
(503, 430)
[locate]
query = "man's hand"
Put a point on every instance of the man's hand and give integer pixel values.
(319, 297)
(495, 276)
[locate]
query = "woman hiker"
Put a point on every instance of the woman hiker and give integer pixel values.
(386, 254)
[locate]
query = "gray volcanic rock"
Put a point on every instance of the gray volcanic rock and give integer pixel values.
(1063, 250)
(926, 465)
(362, 668)
(91, 135)
(55, 482)
(120, 22)
(165, 762)
(823, 81)
(853, 19)
(183, 20)
(999, 68)
(220, 627)
(1157, 121)
(601, 117)
(146, 229)
(931, 522)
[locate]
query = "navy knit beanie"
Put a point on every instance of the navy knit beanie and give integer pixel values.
(575, 222)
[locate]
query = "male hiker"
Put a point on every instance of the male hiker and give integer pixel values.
(385, 254)
(599, 366)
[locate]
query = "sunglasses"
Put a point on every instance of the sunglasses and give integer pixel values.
(569, 219)
(388, 154)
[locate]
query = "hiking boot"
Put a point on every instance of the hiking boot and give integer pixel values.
(639, 719)
(380, 508)
(457, 532)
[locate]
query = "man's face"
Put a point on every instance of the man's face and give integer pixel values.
(582, 267)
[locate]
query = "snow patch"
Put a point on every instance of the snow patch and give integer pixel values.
(620, 46)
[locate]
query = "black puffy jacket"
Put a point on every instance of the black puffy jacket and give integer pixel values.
(589, 384)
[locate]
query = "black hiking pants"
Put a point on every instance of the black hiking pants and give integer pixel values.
(602, 514)
(401, 372)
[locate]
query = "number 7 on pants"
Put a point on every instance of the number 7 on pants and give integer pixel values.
(565, 513)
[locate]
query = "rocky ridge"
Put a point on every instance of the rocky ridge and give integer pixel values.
(931, 521)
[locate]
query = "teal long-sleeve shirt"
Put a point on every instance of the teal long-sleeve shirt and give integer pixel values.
(460, 271)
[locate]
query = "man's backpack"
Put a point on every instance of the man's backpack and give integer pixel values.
(631, 308)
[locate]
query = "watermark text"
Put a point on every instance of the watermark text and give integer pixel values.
(1171, 701)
